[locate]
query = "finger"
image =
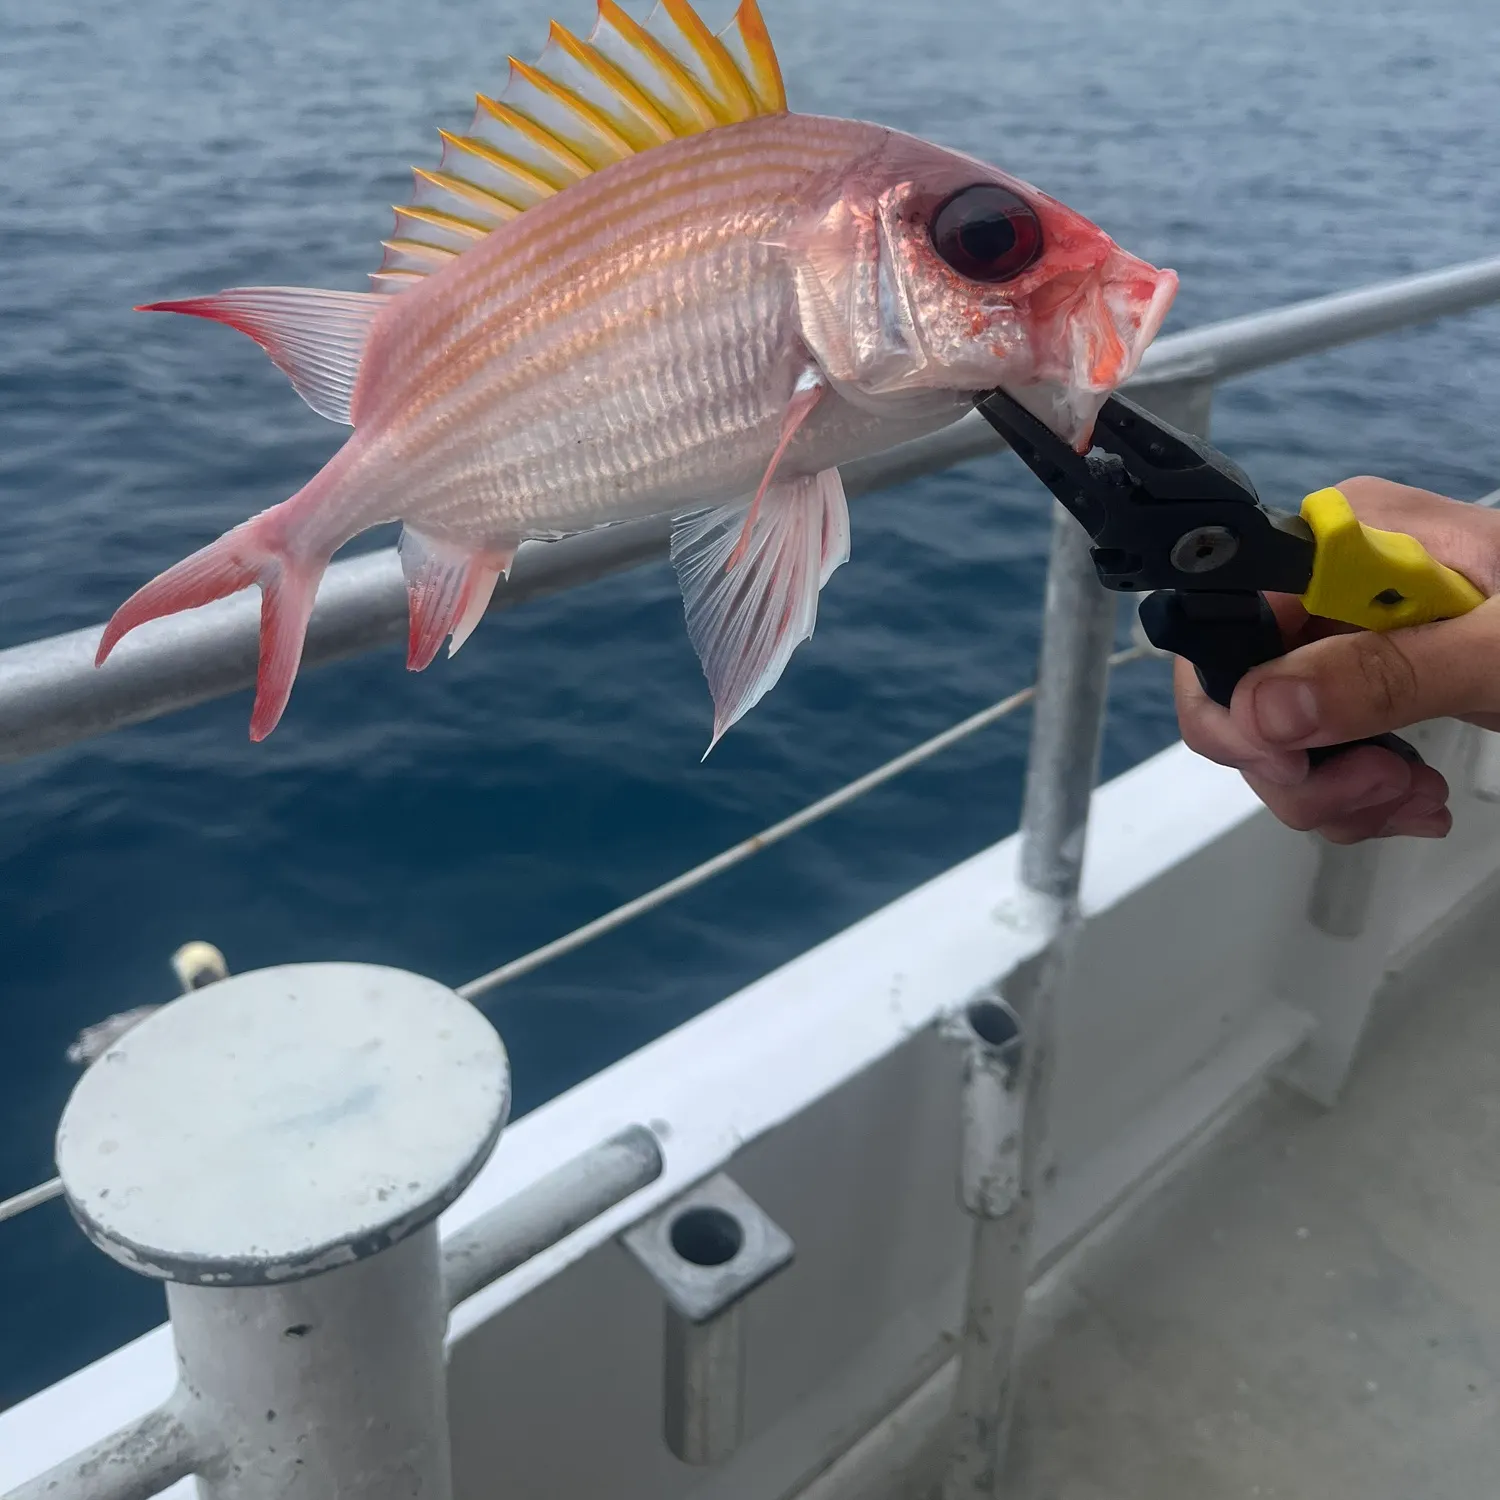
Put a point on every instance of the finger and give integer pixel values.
(1459, 534)
(1356, 829)
(1208, 730)
(1367, 780)
(1420, 823)
(1291, 617)
(1351, 686)
(1346, 801)
(1410, 820)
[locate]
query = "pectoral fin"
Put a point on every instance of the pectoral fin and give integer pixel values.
(746, 620)
(806, 392)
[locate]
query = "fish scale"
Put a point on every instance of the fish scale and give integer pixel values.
(706, 433)
(686, 214)
(688, 359)
(640, 287)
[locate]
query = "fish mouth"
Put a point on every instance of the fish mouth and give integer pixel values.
(1098, 330)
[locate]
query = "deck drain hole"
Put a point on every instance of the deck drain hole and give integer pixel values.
(707, 1236)
(994, 1023)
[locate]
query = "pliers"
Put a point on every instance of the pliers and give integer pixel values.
(1167, 512)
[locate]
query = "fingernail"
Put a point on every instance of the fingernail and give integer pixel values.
(1434, 825)
(1280, 770)
(1422, 807)
(1285, 711)
(1382, 791)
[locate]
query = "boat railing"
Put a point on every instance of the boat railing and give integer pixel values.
(52, 696)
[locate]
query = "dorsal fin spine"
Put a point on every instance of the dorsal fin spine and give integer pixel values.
(642, 40)
(445, 220)
(585, 111)
(415, 257)
(716, 60)
(461, 187)
(538, 135)
(392, 279)
(652, 119)
(764, 75)
(528, 176)
(582, 106)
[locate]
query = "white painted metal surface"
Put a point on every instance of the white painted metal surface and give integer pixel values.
(1062, 766)
(1310, 1310)
(282, 1122)
(279, 1148)
(707, 1252)
(1172, 1017)
(548, 1210)
(332, 1384)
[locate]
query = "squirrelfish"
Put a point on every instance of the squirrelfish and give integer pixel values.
(639, 286)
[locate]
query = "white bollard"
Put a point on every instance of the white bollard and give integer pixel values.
(278, 1147)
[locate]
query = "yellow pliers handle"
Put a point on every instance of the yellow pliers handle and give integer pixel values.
(1377, 580)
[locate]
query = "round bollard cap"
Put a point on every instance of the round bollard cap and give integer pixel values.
(282, 1122)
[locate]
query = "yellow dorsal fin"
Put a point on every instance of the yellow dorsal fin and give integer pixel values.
(579, 107)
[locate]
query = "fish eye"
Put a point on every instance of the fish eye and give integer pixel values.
(986, 233)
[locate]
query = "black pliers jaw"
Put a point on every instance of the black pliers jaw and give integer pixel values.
(1170, 514)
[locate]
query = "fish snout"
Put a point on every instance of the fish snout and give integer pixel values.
(1110, 318)
(1136, 298)
(1114, 319)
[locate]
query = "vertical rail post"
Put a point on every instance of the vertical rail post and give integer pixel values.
(1078, 628)
(1078, 625)
(1072, 677)
(1335, 966)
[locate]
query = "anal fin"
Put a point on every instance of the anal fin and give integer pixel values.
(448, 589)
(746, 621)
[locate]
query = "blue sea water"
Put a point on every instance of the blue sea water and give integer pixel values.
(1268, 150)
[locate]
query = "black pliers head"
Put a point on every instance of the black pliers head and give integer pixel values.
(1171, 516)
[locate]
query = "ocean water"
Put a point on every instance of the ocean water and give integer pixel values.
(1267, 150)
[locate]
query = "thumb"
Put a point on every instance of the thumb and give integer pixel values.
(1350, 686)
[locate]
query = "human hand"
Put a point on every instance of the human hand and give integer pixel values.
(1337, 684)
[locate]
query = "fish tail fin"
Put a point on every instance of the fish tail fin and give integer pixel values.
(256, 552)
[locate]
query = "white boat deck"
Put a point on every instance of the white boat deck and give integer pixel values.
(1312, 1307)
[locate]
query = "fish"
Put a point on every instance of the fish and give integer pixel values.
(640, 286)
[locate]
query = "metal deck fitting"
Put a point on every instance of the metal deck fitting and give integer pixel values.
(707, 1251)
(278, 1148)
